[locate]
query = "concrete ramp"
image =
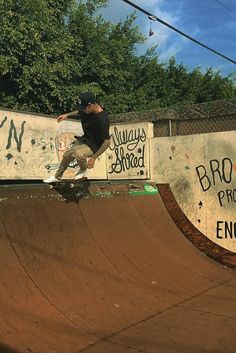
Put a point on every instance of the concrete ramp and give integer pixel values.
(109, 273)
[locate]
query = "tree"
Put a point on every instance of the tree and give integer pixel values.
(212, 86)
(36, 64)
(51, 50)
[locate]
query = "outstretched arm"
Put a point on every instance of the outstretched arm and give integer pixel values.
(67, 115)
(102, 149)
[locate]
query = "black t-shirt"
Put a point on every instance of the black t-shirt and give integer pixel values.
(96, 129)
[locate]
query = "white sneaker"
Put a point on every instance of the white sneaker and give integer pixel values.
(51, 179)
(80, 174)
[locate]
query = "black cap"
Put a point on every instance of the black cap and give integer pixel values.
(85, 99)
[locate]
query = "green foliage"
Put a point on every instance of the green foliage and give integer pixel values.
(35, 50)
(51, 50)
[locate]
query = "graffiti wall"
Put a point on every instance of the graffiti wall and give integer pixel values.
(128, 157)
(31, 146)
(201, 170)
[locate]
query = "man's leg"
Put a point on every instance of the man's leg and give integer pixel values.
(66, 159)
(79, 152)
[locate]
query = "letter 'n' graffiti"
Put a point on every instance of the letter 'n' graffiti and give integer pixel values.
(13, 131)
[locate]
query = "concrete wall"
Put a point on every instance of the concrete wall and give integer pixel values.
(27, 145)
(201, 170)
(32, 146)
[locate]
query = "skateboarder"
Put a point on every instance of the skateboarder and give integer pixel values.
(96, 139)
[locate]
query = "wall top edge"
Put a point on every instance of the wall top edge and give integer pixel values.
(213, 109)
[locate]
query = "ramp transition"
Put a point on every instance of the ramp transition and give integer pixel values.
(110, 273)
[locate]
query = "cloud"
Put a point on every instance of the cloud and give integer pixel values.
(149, 3)
(230, 25)
(173, 49)
(118, 10)
(163, 35)
(164, 38)
(209, 27)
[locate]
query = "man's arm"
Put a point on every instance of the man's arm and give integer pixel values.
(102, 149)
(67, 115)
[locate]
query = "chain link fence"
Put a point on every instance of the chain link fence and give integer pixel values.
(187, 120)
(194, 126)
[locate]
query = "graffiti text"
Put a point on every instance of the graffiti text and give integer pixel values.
(125, 161)
(13, 133)
(128, 148)
(130, 138)
(218, 172)
(225, 230)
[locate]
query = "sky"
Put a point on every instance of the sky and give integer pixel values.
(212, 22)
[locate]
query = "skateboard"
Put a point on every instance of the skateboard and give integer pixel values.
(66, 182)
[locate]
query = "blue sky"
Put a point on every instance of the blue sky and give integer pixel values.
(205, 20)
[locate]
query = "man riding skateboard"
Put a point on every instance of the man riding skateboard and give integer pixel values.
(96, 138)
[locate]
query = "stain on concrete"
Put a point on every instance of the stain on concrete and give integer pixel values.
(9, 156)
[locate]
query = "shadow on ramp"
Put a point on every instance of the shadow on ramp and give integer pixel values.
(75, 194)
(7, 349)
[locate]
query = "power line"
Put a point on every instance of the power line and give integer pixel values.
(226, 7)
(155, 18)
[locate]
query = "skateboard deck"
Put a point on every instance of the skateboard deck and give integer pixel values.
(66, 182)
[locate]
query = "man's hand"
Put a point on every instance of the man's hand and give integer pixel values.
(91, 162)
(62, 117)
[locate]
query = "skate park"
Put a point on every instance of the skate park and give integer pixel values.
(138, 259)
